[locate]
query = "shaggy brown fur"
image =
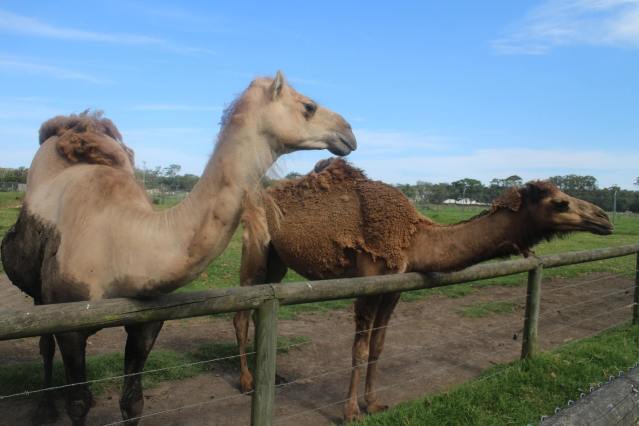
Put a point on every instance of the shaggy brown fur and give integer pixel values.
(360, 209)
(337, 223)
(87, 137)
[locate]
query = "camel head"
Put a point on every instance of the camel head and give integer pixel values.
(552, 211)
(292, 121)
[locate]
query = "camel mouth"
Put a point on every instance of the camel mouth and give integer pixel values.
(598, 228)
(343, 145)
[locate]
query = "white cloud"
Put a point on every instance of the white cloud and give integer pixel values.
(18, 24)
(557, 23)
(22, 66)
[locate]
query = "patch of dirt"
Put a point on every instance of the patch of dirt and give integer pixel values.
(429, 348)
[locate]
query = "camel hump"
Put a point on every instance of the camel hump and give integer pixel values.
(87, 137)
(339, 170)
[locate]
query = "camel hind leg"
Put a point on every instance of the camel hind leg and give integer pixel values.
(365, 311)
(79, 400)
(259, 265)
(139, 342)
(47, 411)
(382, 317)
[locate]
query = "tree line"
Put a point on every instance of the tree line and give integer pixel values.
(584, 187)
(169, 179)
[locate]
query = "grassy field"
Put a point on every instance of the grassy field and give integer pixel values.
(521, 392)
(224, 271)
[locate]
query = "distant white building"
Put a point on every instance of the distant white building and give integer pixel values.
(464, 202)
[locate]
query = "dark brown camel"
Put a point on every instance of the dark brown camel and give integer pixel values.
(336, 223)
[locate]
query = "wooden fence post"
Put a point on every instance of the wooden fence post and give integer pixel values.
(635, 308)
(531, 321)
(266, 351)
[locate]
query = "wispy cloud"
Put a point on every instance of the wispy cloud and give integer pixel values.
(22, 66)
(556, 23)
(175, 107)
(24, 25)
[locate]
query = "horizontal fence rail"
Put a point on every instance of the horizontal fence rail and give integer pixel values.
(56, 318)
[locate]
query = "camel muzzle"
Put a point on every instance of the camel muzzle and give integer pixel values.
(344, 144)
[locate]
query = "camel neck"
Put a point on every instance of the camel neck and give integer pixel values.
(454, 247)
(204, 222)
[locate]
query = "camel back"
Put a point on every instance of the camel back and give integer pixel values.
(337, 208)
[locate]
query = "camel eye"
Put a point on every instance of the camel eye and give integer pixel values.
(560, 205)
(309, 109)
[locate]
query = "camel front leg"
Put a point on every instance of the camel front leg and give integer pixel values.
(384, 312)
(79, 400)
(46, 411)
(139, 343)
(260, 264)
(241, 323)
(365, 309)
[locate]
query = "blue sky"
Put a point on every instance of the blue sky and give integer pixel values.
(436, 91)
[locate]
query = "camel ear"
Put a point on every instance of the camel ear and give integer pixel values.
(278, 84)
(511, 199)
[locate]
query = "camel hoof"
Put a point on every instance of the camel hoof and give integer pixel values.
(45, 413)
(280, 380)
(352, 413)
(77, 411)
(246, 384)
(376, 408)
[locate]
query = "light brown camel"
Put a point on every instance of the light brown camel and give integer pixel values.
(336, 223)
(88, 231)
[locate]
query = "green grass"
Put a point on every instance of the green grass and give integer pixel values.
(21, 376)
(484, 309)
(521, 392)
(9, 202)
(224, 271)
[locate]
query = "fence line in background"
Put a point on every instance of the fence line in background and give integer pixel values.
(267, 298)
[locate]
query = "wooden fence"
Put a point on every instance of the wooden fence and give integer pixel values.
(267, 299)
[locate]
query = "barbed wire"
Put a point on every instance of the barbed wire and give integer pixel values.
(157, 370)
(203, 362)
(387, 387)
(430, 347)
(184, 407)
(185, 365)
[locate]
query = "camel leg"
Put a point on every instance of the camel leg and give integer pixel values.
(73, 349)
(241, 324)
(139, 342)
(259, 265)
(47, 412)
(365, 310)
(384, 312)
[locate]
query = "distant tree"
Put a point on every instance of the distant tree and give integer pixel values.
(293, 175)
(513, 181)
(575, 183)
(18, 175)
(637, 181)
(467, 188)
